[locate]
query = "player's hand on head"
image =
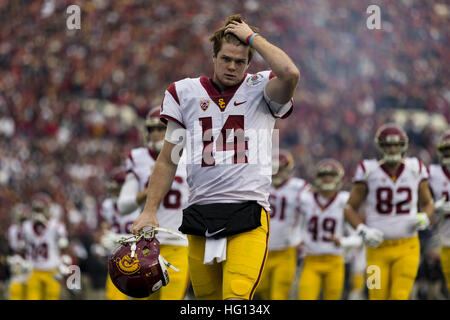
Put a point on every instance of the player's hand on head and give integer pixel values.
(240, 29)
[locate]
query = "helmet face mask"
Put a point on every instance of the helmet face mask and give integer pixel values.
(443, 149)
(283, 167)
(329, 174)
(391, 142)
(154, 130)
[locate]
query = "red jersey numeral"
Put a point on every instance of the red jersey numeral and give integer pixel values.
(328, 226)
(385, 197)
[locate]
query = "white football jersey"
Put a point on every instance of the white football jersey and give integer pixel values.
(283, 216)
(440, 185)
(118, 223)
(229, 138)
(42, 248)
(391, 202)
(15, 238)
(322, 218)
(170, 215)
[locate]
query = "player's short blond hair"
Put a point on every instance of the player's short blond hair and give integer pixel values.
(219, 36)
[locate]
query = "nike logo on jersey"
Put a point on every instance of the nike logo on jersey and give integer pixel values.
(208, 235)
(236, 104)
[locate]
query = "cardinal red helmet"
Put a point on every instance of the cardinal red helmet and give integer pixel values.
(443, 148)
(285, 166)
(388, 136)
(141, 275)
(152, 122)
(116, 179)
(329, 167)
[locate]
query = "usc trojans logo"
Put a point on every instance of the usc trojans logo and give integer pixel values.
(128, 265)
(221, 103)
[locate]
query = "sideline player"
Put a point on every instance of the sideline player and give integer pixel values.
(227, 122)
(398, 204)
(440, 186)
(140, 164)
(323, 231)
(279, 272)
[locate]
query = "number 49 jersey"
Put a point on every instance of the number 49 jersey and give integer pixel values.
(284, 208)
(141, 162)
(322, 220)
(391, 202)
(229, 137)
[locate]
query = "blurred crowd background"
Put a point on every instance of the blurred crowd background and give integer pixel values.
(71, 101)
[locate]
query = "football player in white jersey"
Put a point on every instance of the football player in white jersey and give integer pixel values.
(114, 224)
(398, 204)
(226, 123)
(279, 272)
(45, 239)
(20, 267)
(140, 164)
(440, 186)
(323, 234)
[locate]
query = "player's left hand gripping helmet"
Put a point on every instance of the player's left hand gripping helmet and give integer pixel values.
(152, 122)
(388, 136)
(283, 167)
(329, 174)
(443, 149)
(136, 267)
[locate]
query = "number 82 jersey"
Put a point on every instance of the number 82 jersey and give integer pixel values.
(391, 201)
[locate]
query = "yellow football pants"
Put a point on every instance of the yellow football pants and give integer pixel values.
(239, 275)
(42, 286)
(278, 274)
(178, 281)
(395, 263)
(17, 291)
(321, 272)
(445, 263)
(112, 293)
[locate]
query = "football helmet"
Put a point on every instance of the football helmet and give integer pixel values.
(116, 179)
(136, 267)
(329, 174)
(443, 149)
(152, 122)
(40, 207)
(285, 165)
(388, 137)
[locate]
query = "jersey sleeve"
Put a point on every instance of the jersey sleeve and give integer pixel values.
(424, 173)
(360, 173)
(130, 165)
(279, 111)
(171, 107)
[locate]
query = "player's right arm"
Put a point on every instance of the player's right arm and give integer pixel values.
(357, 196)
(158, 186)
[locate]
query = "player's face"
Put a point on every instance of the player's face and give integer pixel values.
(230, 64)
(156, 133)
(393, 148)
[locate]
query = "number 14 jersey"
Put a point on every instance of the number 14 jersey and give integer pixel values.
(391, 202)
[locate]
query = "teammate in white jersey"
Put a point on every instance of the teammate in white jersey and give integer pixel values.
(227, 123)
(45, 239)
(394, 189)
(440, 186)
(140, 164)
(281, 264)
(20, 267)
(323, 234)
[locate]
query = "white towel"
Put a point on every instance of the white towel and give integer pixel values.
(215, 249)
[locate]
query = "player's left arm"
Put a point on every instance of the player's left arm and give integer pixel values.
(279, 89)
(426, 203)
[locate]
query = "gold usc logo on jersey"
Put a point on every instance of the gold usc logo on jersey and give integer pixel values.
(128, 265)
(221, 103)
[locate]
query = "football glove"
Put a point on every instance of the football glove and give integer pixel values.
(372, 237)
(442, 207)
(422, 222)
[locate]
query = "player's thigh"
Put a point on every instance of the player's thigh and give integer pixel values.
(51, 285)
(35, 288)
(178, 281)
(246, 257)
(378, 273)
(310, 282)
(404, 270)
(334, 279)
(112, 293)
(17, 291)
(284, 274)
(263, 289)
(206, 280)
(445, 264)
